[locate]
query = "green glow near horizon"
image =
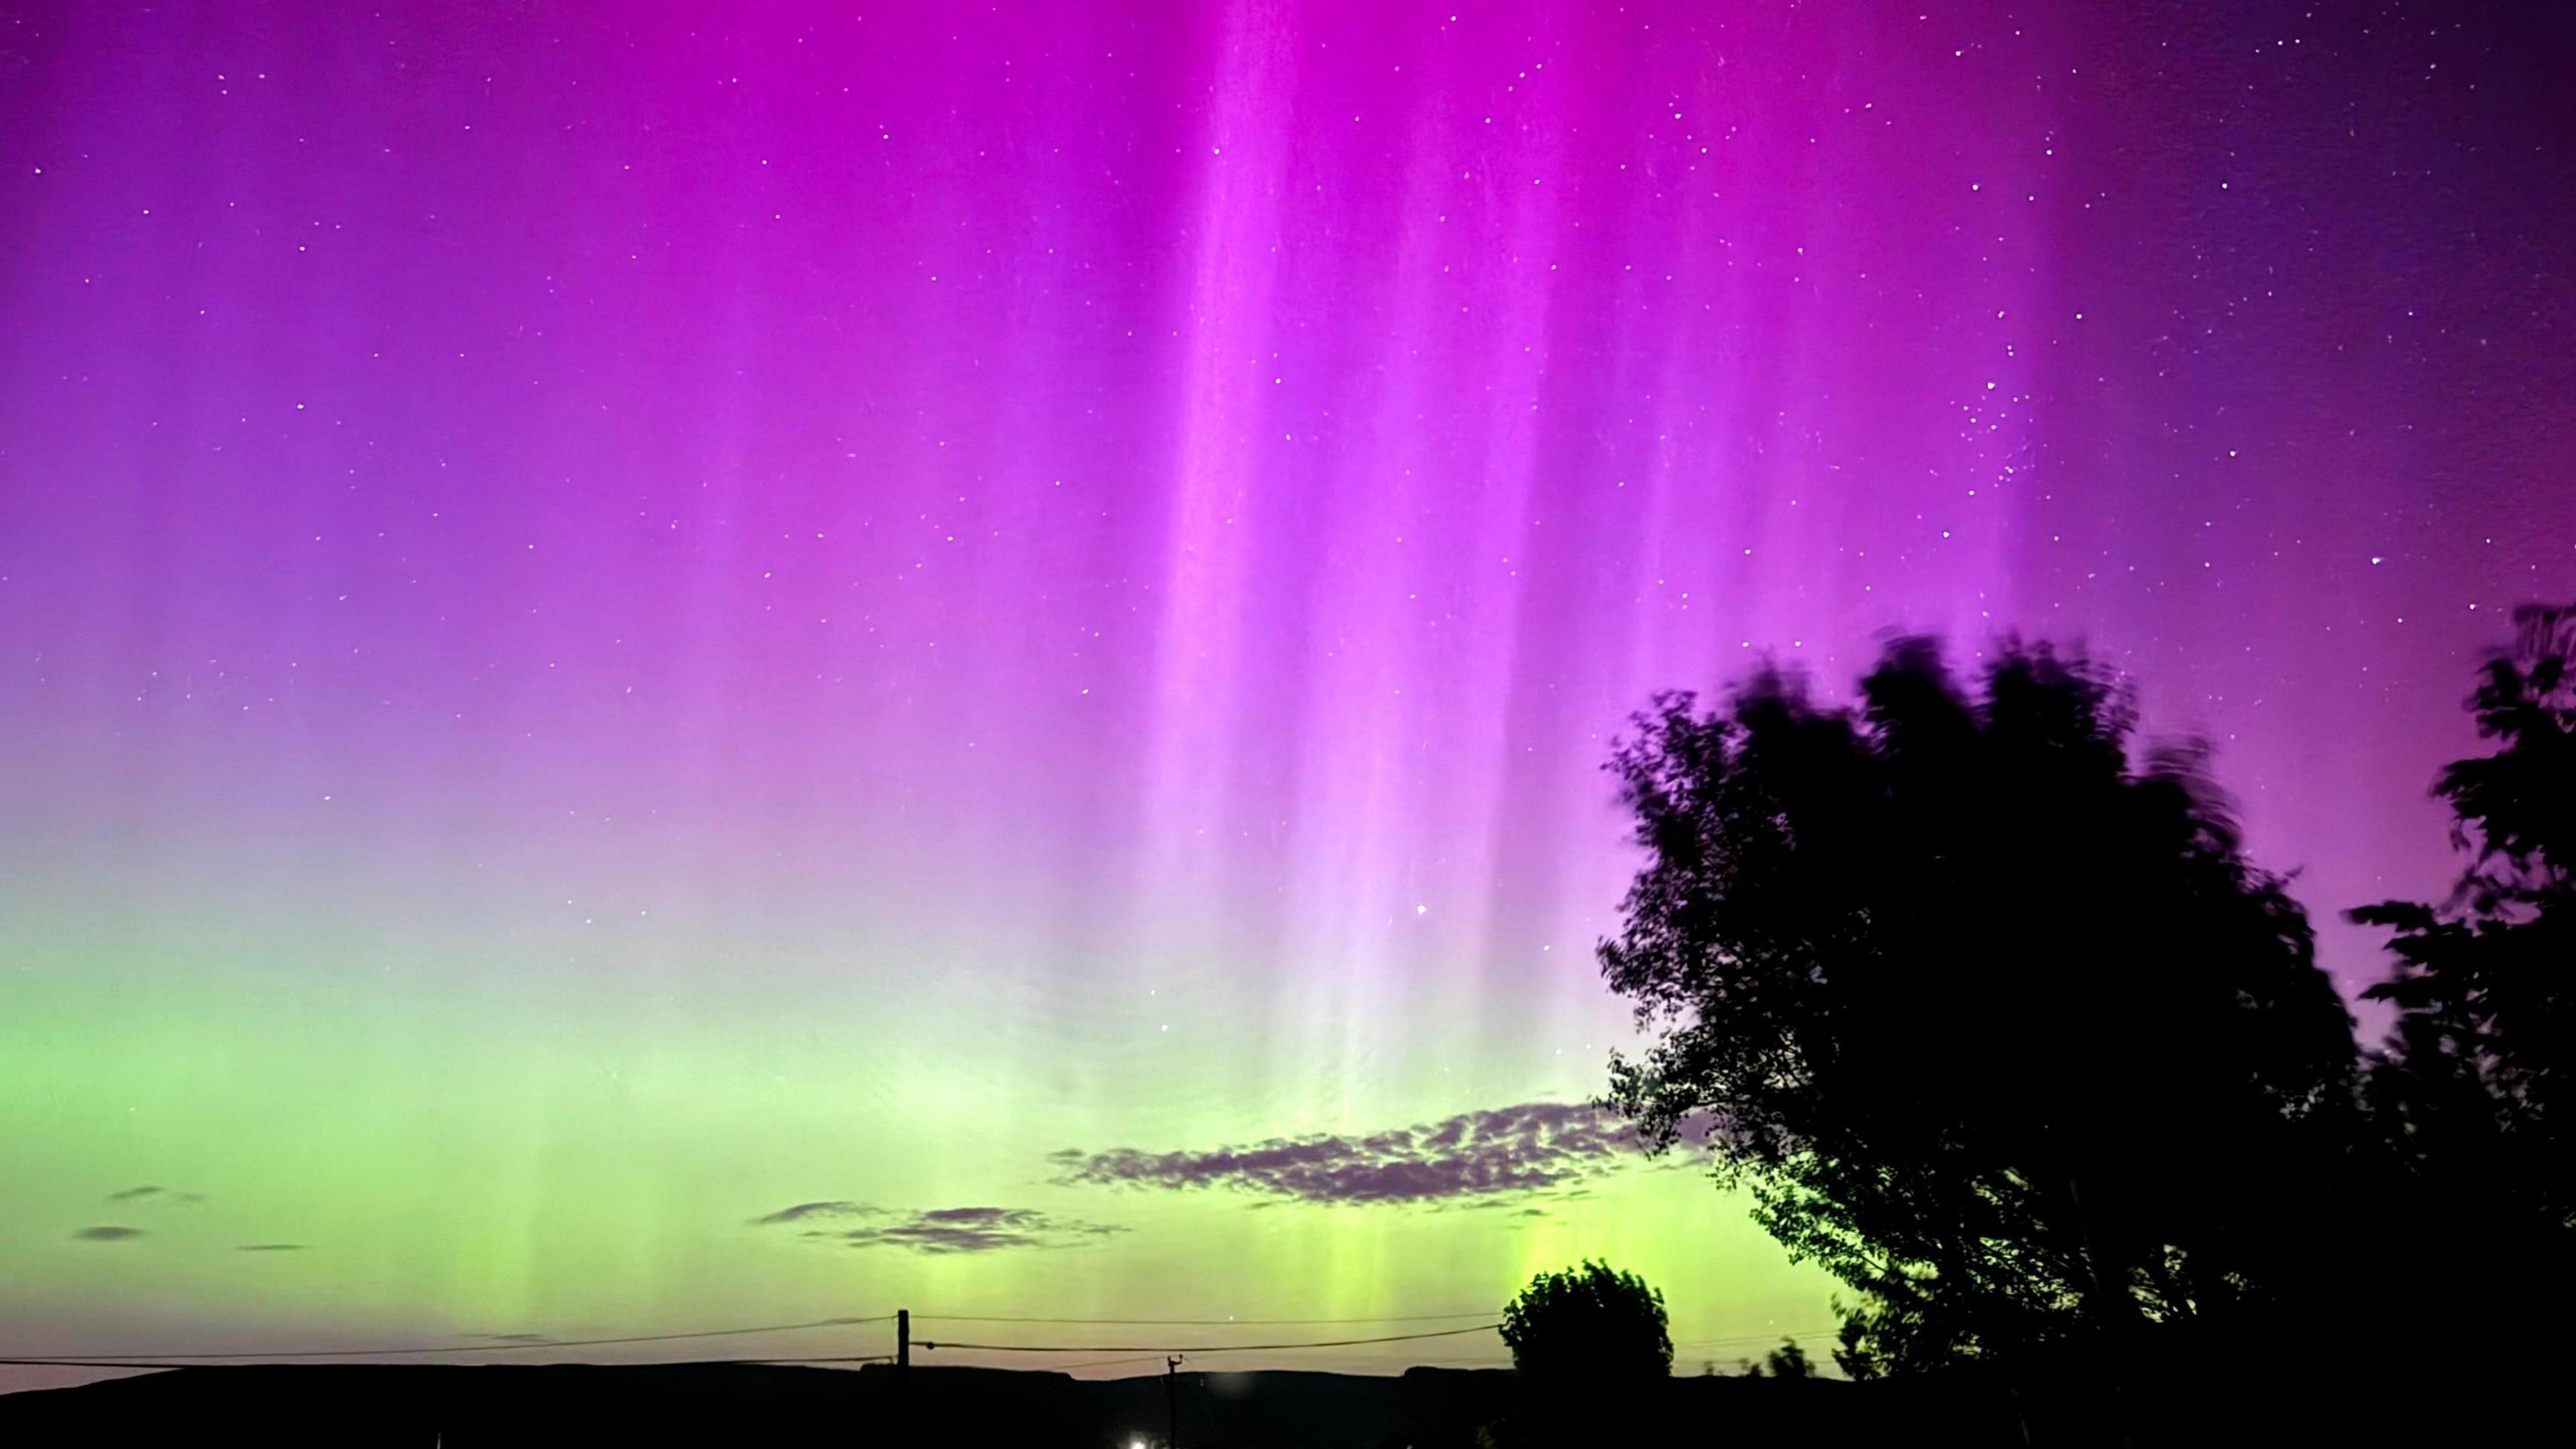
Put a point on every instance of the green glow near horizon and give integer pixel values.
(458, 1156)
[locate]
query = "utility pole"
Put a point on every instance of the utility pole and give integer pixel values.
(1172, 1401)
(903, 1371)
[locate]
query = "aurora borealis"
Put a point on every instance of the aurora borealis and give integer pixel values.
(671, 667)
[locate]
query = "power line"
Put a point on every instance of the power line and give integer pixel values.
(1197, 1322)
(87, 1363)
(1067, 1368)
(1758, 1338)
(527, 1347)
(1143, 1351)
(217, 1359)
(227, 1361)
(1205, 1348)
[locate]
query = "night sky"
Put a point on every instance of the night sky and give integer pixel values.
(668, 670)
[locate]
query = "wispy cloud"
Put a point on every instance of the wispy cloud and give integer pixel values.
(1536, 1147)
(108, 1233)
(834, 1208)
(979, 1230)
(150, 1192)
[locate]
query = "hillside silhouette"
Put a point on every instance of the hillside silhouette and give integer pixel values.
(552, 1405)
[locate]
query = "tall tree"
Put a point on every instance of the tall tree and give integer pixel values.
(2002, 1030)
(2473, 1077)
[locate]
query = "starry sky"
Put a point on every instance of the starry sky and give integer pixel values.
(669, 667)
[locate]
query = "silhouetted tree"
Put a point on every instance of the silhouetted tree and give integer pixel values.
(2001, 1030)
(1588, 1330)
(2469, 1079)
(1788, 1361)
(1851, 1346)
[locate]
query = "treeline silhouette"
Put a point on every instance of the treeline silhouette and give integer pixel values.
(1993, 1017)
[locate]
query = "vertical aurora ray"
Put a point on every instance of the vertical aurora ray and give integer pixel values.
(610, 627)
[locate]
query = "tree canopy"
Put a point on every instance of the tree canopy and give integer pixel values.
(2471, 1076)
(1585, 1329)
(1997, 1024)
(1788, 1361)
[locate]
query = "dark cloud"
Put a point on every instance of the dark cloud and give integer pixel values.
(979, 1230)
(270, 1248)
(132, 1194)
(107, 1234)
(830, 1209)
(1537, 1147)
